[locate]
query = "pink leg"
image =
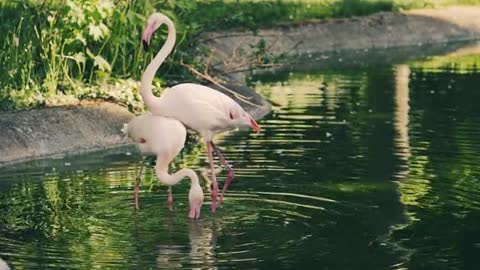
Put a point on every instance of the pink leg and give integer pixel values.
(137, 184)
(135, 196)
(170, 199)
(231, 173)
(214, 178)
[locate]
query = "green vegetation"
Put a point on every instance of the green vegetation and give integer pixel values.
(55, 52)
(464, 63)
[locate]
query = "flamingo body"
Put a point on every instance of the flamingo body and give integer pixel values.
(201, 108)
(165, 138)
(156, 135)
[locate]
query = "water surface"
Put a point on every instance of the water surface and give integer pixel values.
(370, 167)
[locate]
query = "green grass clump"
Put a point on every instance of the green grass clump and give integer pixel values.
(54, 48)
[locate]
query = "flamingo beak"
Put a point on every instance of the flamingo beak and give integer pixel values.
(255, 126)
(147, 35)
(195, 210)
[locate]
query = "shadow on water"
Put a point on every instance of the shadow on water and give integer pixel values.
(371, 168)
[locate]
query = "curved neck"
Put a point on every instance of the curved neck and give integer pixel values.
(172, 179)
(147, 78)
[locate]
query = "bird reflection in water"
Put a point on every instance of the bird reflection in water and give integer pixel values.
(203, 239)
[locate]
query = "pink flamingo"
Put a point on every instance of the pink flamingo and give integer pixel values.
(201, 108)
(165, 138)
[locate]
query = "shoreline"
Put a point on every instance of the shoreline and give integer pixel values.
(379, 31)
(54, 132)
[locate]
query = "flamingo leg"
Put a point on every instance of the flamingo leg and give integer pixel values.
(231, 173)
(137, 183)
(214, 178)
(170, 198)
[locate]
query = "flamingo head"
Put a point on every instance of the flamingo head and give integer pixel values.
(195, 198)
(240, 118)
(153, 23)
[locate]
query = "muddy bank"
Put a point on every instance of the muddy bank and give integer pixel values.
(378, 31)
(54, 131)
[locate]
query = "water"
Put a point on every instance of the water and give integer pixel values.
(360, 168)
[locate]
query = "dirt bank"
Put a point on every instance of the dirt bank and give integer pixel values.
(378, 31)
(52, 131)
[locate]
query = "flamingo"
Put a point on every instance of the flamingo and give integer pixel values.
(199, 107)
(165, 138)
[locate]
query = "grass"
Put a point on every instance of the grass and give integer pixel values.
(57, 51)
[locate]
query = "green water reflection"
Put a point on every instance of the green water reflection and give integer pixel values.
(368, 168)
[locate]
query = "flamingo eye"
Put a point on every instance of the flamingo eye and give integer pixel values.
(231, 115)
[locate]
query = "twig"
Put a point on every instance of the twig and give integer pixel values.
(247, 68)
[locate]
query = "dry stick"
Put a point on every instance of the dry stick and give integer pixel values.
(294, 46)
(229, 63)
(207, 63)
(234, 56)
(226, 64)
(245, 67)
(212, 80)
(254, 62)
(217, 37)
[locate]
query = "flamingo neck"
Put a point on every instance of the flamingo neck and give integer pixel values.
(147, 78)
(172, 179)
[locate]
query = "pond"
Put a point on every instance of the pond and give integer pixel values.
(372, 167)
